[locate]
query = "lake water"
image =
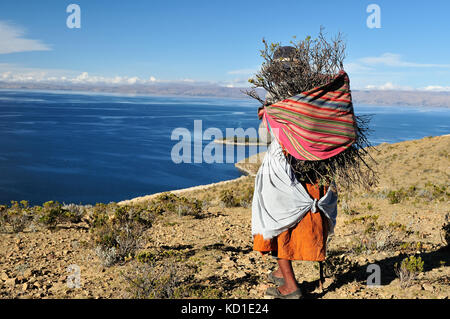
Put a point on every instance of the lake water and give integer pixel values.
(88, 148)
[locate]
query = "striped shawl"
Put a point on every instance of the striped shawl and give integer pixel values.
(316, 124)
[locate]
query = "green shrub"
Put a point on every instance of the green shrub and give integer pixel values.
(408, 270)
(51, 214)
(18, 216)
(363, 219)
(227, 198)
(397, 226)
(3, 217)
(395, 197)
(73, 213)
(119, 235)
(99, 215)
(171, 203)
(156, 281)
(242, 197)
(245, 200)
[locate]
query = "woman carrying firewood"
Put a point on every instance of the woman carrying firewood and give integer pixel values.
(317, 142)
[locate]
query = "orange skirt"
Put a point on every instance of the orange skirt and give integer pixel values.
(305, 241)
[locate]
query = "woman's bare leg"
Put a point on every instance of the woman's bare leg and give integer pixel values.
(290, 284)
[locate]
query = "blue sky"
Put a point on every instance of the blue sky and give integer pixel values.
(219, 41)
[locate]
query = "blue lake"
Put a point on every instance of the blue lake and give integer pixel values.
(88, 148)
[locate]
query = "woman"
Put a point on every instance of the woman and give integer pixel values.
(276, 191)
(292, 213)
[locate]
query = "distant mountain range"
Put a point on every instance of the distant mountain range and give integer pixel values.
(372, 97)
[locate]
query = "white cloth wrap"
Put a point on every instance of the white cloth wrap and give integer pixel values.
(280, 201)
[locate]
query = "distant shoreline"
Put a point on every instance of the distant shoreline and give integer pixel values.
(412, 98)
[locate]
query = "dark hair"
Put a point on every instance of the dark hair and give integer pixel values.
(284, 52)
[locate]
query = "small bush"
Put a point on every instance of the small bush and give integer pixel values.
(51, 214)
(99, 215)
(18, 216)
(227, 198)
(230, 198)
(246, 198)
(73, 213)
(395, 197)
(3, 217)
(119, 236)
(408, 270)
(396, 226)
(171, 203)
(108, 255)
(338, 264)
(368, 219)
(156, 281)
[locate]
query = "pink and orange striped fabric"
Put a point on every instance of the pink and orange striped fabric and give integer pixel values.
(316, 124)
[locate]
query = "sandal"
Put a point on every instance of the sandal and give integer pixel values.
(274, 292)
(275, 280)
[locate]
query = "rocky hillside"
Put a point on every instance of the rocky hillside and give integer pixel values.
(196, 243)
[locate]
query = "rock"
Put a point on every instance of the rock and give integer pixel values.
(362, 260)
(386, 295)
(27, 273)
(24, 287)
(353, 289)
(11, 281)
(427, 287)
(4, 276)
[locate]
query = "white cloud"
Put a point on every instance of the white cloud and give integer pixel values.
(85, 78)
(388, 86)
(354, 67)
(436, 88)
(395, 60)
(243, 71)
(12, 40)
(14, 73)
(238, 82)
(388, 70)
